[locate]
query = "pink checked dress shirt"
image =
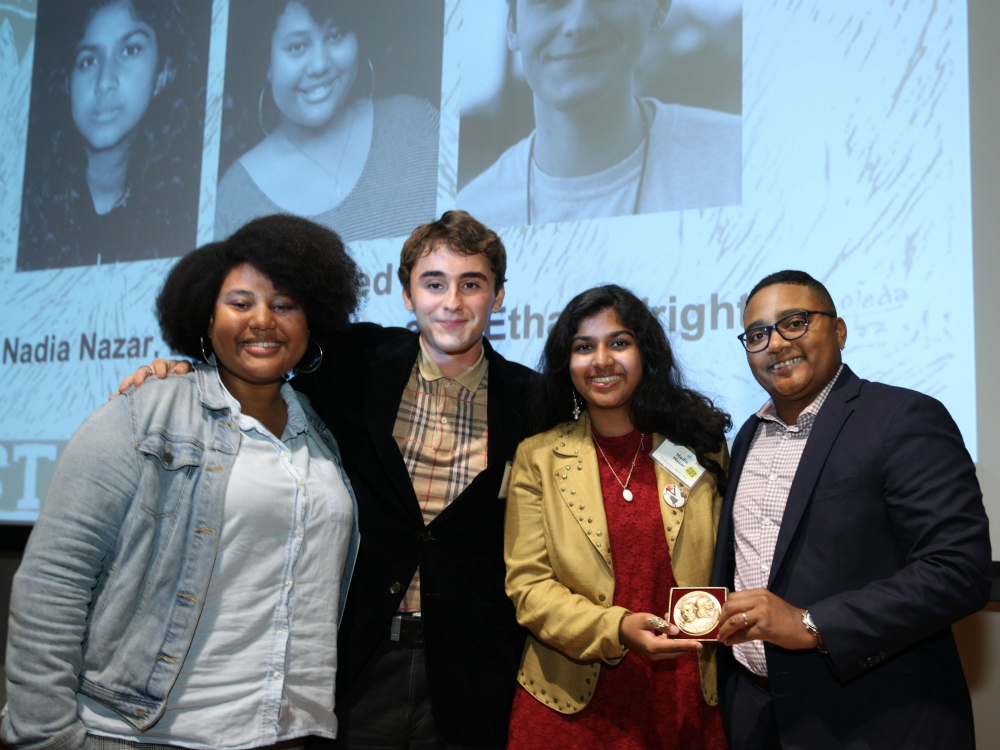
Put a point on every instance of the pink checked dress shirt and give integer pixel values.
(766, 478)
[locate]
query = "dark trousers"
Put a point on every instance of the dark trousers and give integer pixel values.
(752, 725)
(389, 707)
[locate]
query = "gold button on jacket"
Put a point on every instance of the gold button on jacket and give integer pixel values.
(559, 575)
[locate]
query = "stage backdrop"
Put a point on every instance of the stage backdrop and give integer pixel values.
(828, 137)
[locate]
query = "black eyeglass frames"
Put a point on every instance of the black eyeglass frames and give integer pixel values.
(790, 327)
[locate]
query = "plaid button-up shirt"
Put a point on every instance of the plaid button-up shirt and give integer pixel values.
(767, 475)
(442, 434)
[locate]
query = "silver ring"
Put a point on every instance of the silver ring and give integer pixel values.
(151, 370)
(745, 622)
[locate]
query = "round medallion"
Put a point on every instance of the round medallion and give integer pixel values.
(697, 613)
(627, 494)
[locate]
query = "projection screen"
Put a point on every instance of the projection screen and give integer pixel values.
(828, 137)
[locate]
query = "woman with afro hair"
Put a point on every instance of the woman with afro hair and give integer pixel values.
(199, 534)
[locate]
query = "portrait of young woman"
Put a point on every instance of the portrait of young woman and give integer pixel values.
(330, 112)
(113, 160)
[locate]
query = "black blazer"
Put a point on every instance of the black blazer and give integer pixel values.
(472, 641)
(885, 541)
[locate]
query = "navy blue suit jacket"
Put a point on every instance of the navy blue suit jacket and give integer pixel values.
(885, 541)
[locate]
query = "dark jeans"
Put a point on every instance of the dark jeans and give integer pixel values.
(389, 707)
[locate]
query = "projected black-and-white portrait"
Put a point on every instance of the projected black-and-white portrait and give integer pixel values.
(113, 161)
(331, 112)
(583, 109)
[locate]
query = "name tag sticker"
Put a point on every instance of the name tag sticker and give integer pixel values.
(680, 462)
(504, 482)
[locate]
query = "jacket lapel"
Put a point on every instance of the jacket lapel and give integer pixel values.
(725, 551)
(503, 416)
(385, 378)
(580, 488)
(672, 517)
(829, 422)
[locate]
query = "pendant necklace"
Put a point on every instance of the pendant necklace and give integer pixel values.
(642, 172)
(626, 492)
(343, 153)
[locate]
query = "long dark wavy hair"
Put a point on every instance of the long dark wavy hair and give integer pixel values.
(661, 403)
(164, 166)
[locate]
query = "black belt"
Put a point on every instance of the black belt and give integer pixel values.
(409, 628)
(763, 683)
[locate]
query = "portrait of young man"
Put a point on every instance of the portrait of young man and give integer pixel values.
(601, 147)
(853, 535)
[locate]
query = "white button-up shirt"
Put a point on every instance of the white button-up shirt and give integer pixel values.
(766, 478)
(262, 665)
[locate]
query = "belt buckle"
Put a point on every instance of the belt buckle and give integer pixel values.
(406, 626)
(395, 627)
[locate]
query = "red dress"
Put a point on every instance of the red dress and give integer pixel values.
(638, 704)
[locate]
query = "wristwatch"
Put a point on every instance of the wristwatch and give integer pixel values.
(807, 620)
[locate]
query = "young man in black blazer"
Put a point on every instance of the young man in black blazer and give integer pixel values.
(854, 533)
(405, 408)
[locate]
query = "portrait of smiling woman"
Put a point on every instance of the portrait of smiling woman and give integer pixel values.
(114, 141)
(330, 112)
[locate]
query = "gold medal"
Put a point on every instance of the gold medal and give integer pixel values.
(697, 613)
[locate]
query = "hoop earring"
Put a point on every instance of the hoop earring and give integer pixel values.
(208, 359)
(576, 407)
(371, 77)
(260, 111)
(317, 363)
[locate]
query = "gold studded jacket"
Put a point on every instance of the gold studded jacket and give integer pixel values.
(559, 562)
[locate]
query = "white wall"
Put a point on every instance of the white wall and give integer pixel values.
(979, 636)
(984, 66)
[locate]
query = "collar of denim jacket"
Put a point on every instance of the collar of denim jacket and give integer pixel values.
(210, 389)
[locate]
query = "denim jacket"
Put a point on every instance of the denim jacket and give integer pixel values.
(114, 577)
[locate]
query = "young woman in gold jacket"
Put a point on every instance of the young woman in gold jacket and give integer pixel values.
(596, 670)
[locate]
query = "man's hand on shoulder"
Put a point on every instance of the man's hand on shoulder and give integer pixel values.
(159, 367)
(759, 615)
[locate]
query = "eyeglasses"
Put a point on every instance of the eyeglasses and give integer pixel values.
(790, 327)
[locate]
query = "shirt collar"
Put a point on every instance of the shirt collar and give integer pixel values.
(297, 422)
(470, 379)
(769, 412)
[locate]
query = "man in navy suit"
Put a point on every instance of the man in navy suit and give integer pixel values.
(853, 535)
